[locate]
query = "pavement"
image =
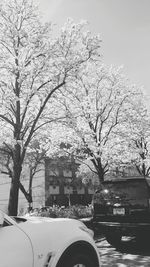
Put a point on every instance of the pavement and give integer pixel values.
(129, 254)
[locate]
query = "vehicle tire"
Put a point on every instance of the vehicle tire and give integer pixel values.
(77, 260)
(114, 239)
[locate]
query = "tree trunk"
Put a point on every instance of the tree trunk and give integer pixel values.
(14, 190)
(99, 169)
(100, 172)
(27, 195)
(13, 196)
(30, 189)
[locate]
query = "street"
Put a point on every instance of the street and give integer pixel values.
(128, 255)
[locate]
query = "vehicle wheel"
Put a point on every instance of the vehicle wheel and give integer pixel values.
(114, 239)
(76, 260)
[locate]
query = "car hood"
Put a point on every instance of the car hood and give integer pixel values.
(52, 233)
(49, 236)
(46, 225)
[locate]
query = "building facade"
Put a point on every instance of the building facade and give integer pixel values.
(62, 187)
(38, 190)
(56, 184)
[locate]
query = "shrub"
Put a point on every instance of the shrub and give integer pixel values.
(76, 212)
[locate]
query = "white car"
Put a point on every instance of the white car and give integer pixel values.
(46, 242)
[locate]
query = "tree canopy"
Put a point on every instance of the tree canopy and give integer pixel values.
(101, 109)
(55, 89)
(34, 65)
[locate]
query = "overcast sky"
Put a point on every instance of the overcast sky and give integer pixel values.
(124, 27)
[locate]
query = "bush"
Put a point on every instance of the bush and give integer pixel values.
(75, 212)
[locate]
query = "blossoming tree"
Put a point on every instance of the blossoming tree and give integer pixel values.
(34, 66)
(100, 108)
(137, 139)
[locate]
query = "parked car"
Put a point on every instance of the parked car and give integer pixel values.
(46, 242)
(121, 208)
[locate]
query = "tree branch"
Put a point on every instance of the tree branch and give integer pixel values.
(7, 120)
(37, 117)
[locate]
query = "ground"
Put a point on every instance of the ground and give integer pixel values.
(129, 254)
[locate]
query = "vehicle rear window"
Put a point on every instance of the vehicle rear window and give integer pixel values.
(135, 192)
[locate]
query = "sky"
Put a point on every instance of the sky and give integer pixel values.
(124, 27)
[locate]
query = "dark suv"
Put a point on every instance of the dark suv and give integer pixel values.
(121, 208)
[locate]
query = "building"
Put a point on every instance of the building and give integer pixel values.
(38, 189)
(56, 183)
(62, 187)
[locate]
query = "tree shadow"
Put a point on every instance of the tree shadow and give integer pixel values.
(130, 253)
